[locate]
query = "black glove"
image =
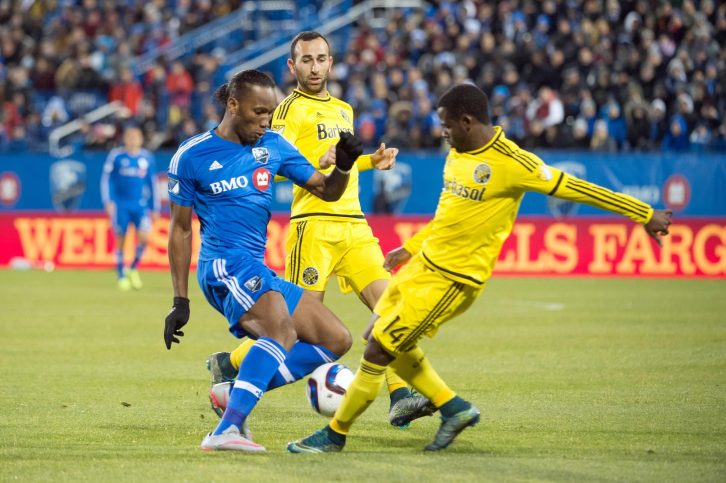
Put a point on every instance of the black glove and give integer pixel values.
(177, 318)
(347, 151)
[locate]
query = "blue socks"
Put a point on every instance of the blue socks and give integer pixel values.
(258, 367)
(302, 359)
(119, 263)
(139, 252)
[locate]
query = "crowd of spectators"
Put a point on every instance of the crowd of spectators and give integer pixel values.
(605, 75)
(589, 74)
(59, 59)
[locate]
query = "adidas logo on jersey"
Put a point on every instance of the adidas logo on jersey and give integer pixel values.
(215, 165)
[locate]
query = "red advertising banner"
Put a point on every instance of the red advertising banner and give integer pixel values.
(537, 246)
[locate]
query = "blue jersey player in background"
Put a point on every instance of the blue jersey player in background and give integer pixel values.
(225, 176)
(127, 191)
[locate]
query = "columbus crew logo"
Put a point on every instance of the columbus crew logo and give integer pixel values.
(310, 276)
(344, 115)
(482, 173)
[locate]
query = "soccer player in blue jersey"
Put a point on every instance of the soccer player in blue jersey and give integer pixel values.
(225, 176)
(127, 191)
(327, 238)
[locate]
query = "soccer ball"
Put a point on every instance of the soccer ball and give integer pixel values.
(326, 387)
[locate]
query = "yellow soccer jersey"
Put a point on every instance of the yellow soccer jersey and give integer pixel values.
(313, 124)
(479, 201)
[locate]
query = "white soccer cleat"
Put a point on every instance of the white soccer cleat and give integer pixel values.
(218, 399)
(230, 440)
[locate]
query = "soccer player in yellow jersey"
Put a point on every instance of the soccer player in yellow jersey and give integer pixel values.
(450, 260)
(328, 238)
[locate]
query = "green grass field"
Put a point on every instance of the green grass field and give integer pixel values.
(577, 379)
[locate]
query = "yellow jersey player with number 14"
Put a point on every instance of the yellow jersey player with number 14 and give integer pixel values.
(485, 178)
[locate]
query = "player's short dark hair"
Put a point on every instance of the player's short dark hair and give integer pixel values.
(306, 37)
(239, 82)
(466, 99)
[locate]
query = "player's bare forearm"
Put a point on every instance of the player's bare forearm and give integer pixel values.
(335, 184)
(180, 249)
(180, 256)
(328, 187)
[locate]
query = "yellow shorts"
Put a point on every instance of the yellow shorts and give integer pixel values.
(416, 303)
(317, 249)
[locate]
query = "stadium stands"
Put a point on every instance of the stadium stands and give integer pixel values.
(608, 76)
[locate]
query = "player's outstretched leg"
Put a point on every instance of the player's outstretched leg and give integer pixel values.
(322, 441)
(406, 404)
(301, 361)
(454, 424)
(409, 407)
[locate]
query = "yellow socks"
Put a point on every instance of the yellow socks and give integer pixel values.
(393, 380)
(360, 394)
(415, 368)
(240, 352)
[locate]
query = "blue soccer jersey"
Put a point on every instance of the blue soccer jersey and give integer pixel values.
(127, 180)
(228, 185)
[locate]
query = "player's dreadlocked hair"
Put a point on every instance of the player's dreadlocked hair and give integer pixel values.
(466, 99)
(239, 82)
(306, 37)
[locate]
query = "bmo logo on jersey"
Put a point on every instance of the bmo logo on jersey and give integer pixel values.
(228, 184)
(261, 179)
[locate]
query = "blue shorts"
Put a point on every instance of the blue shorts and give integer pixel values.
(233, 285)
(137, 216)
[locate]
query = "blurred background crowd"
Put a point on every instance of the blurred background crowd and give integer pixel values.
(605, 75)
